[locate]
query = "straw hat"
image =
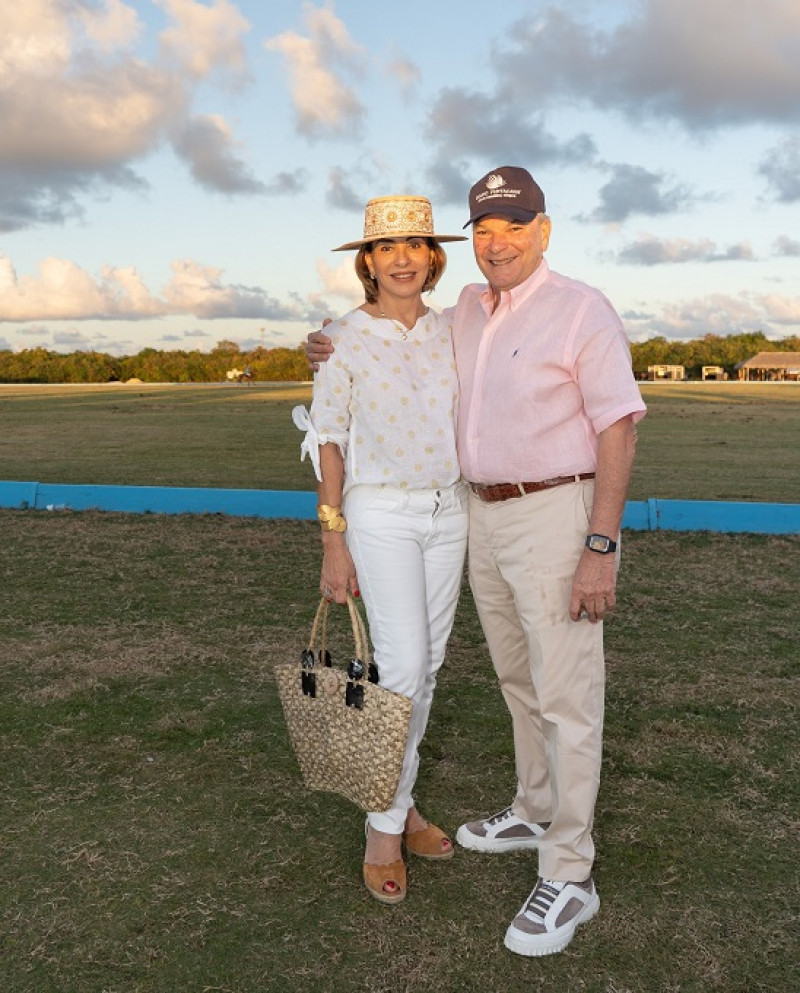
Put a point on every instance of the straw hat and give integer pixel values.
(398, 217)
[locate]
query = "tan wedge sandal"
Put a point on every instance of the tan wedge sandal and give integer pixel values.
(387, 883)
(429, 843)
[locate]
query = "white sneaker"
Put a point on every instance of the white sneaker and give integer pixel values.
(503, 832)
(549, 917)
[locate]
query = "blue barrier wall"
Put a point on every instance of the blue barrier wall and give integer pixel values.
(159, 500)
(650, 515)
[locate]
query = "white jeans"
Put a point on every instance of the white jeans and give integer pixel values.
(408, 547)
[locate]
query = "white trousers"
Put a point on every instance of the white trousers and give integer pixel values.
(408, 547)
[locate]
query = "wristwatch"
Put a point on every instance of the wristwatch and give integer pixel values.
(600, 543)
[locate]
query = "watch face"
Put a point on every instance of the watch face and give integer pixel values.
(598, 543)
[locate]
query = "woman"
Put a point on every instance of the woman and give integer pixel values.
(381, 434)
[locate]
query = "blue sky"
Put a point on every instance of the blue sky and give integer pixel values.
(176, 172)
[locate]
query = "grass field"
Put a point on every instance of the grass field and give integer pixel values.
(699, 441)
(154, 835)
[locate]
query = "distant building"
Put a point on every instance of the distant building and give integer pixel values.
(770, 367)
(666, 372)
(714, 372)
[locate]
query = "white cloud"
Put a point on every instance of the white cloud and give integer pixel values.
(283, 183)
(324, 105)
(781, 167)
(204, 38)
(781, 310)
(512, 127)
(405, 72)
(35, 40)
(341, 280)
(61, 108)
(717, 63)
(786, 246)
(648, 250)
(80, 109)
(71, 341)
(207, 145)
(63, 290)
(111, 26)
(199, 290)
(342, 193)
(720, 64)
(717, 313)
(634, 190)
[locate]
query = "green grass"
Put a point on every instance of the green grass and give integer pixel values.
(155, 836)
(699, 441)
(719, 441)
(239, 437)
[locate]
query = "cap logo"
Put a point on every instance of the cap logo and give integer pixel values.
(494, 182)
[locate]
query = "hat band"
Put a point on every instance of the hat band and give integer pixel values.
(387, 219)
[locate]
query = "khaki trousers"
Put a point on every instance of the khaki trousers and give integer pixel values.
(523, 554)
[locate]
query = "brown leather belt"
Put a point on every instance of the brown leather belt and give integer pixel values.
(507, 491)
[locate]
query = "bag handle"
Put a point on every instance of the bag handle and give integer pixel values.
(359, 632)
(360, 638)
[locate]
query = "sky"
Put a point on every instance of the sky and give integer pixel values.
(174, 173)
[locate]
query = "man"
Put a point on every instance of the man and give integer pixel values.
(546, 438)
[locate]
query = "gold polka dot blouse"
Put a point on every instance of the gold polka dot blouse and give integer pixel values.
(390, 405)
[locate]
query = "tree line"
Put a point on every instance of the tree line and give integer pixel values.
(151, 365)
(712, 349)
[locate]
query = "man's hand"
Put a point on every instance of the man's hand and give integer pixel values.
(318, 347)
(594, 587)
(595, 583)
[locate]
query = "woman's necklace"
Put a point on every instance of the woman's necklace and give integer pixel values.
(400, 327)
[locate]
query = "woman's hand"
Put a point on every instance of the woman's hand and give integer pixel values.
(338, 574)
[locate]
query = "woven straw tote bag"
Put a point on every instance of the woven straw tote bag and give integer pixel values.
(349, 733)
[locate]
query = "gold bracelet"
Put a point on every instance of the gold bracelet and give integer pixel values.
(334, 524)
(326, 513)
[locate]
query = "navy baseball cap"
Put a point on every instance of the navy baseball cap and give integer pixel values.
(510, 191)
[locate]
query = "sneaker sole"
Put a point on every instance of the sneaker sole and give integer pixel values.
(533, 946)
(476, 843)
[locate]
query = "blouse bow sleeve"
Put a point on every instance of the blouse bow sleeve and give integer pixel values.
(310, 443)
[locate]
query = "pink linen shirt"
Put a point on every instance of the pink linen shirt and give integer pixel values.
(539, 378)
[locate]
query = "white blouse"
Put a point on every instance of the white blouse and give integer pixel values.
(390, 405)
